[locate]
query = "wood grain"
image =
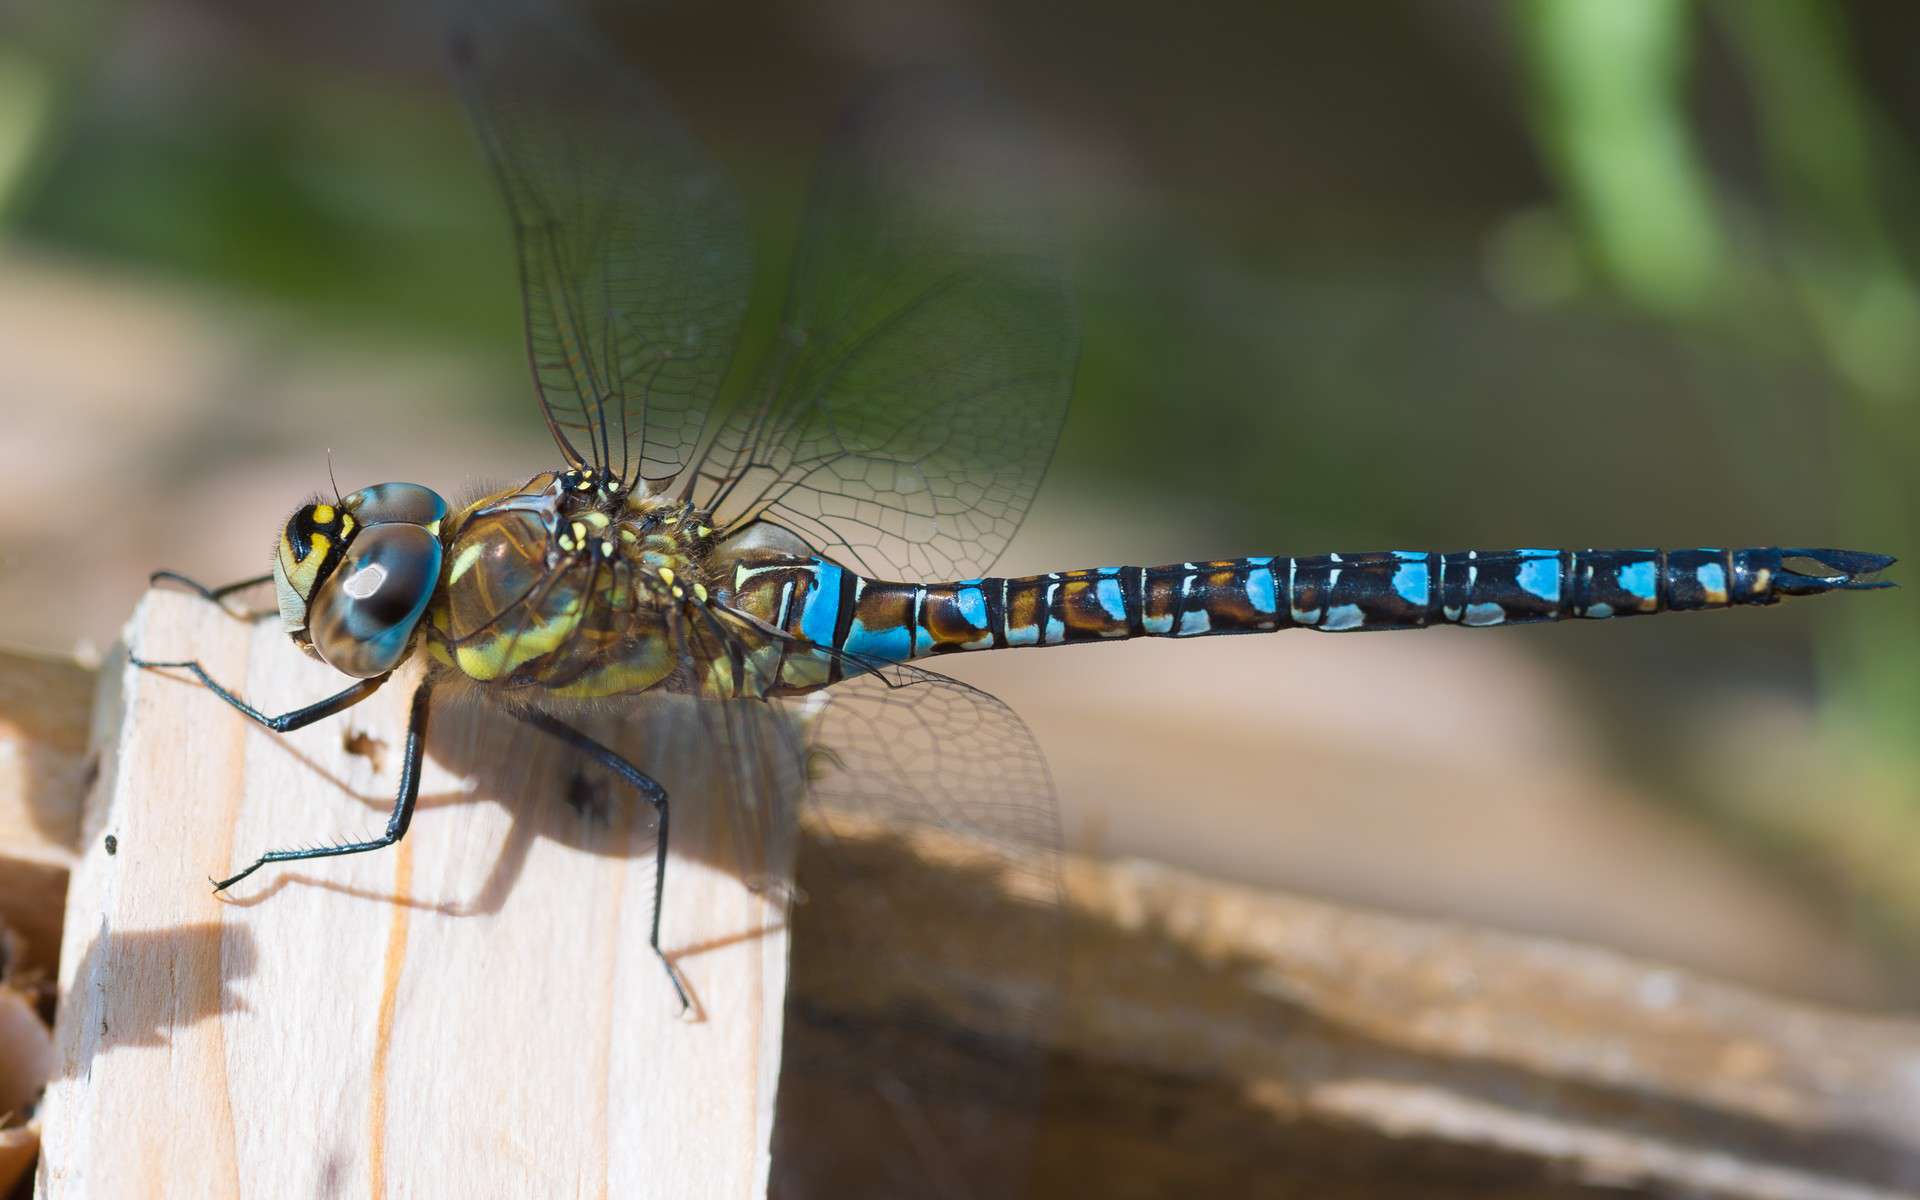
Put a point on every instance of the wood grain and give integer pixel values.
(472, 1012)
(421, 1021)
(1228, 1041)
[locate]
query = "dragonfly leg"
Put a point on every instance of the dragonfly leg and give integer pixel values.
(650, 791)
(402, 802)
(218, 595)
(299, 718)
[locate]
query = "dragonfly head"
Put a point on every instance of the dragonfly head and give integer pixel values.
(354, 577)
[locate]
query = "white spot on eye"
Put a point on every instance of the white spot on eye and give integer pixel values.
(364, 582)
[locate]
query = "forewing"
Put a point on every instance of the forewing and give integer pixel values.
(927, 352)
(633, 251)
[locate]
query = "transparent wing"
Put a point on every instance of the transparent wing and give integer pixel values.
(929, 943)
(927, 353)
(927, 927)
(634, 258)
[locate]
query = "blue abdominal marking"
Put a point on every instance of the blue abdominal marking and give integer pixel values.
(1484, 614)
(1539, 574)
(1411, 579)
(1713, 580)
(1343, 616)
(1162, 624)
(972, 603)
(1260, 589)
(1637, 578)
(894, 645)
(1107, 591)
(1023, 635)
(822, 612)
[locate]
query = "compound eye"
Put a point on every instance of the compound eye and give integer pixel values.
(363, 618)
(397, 504)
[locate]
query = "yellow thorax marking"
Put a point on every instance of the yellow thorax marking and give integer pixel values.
(639, 668)
(465, 560)
(508, 651)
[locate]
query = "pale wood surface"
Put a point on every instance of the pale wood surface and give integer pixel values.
(1213, 1040)
(472, 1012)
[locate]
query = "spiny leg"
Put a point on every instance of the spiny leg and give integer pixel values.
(215, 595)
(402, 802)
(299, 718)
(650, 791)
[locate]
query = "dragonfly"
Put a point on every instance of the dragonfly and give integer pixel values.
(828, 529)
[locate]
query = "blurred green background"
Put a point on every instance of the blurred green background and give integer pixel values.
(1441, 274)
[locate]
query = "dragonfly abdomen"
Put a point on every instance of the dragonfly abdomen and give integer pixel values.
(1377, 590)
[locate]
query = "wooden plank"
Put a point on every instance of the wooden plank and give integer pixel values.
(1222, 1040)
(1214, 1040)
(474, 1011)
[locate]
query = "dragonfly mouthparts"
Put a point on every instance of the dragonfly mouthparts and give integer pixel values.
(1848, 565)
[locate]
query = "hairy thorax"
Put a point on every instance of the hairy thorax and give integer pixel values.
(578, 591)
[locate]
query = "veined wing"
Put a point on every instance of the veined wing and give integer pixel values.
(926, 359)
(928, 926)
(934, 933)
(634, 258)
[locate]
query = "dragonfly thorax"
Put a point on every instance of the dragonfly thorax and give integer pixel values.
(567, 585)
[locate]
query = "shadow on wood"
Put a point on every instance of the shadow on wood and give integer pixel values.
(469, 1010)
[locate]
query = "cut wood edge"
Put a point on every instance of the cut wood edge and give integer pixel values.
(397, 1038)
